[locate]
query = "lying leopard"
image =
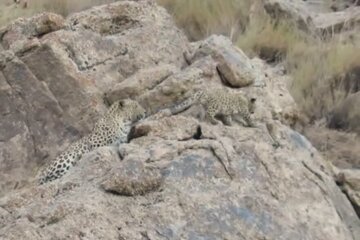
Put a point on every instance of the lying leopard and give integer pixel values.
(218, 102)
(112, 128)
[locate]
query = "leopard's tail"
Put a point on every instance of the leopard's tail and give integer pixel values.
(187, 103)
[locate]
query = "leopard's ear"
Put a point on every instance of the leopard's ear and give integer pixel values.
(252, 100)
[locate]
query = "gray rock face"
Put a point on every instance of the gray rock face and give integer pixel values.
(178, 177)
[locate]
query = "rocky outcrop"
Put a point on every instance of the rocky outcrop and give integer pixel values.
(178, 177)
(55, 72)
(319, 20)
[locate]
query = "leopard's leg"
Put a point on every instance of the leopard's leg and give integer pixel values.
(249, 121)
(210, 115)
(226, 119)
(246, 117)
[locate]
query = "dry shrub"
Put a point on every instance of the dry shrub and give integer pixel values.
(322, 73)
(201, 18)
(268, 40)
(342, 149)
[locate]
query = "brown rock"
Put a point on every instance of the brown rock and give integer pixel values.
(132, 179)
(232, 64)
(18, 35)
(143, 80)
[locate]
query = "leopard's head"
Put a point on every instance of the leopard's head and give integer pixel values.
(128, 109)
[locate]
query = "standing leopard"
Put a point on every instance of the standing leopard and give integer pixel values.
(221, 103)
(113, 128)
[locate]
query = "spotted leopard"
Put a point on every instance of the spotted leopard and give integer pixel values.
(221, 103)
(112, 128)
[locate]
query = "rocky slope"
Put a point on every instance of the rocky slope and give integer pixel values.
(178, 177)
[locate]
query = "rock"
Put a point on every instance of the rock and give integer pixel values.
(18, 35)
(340, 5)
(311, 19)
(232, 64)
(349, 181)
(346, 115)
(296, 11)
(180, 85)
(143, 80)
(336, 22)
(132, 179)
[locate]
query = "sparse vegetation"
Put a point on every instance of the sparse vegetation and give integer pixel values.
(322, 73)
(201, 18)
(321, 70)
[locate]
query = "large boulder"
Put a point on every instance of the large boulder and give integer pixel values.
(177, 177)
(233, 65)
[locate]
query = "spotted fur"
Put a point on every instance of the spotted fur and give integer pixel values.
(112, 128)
(221, 103)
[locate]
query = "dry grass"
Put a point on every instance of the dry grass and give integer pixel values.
(342, 149)
(201, 18)
(321, 73)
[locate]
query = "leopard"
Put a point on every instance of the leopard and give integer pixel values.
(217, 102)
(112, 128)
